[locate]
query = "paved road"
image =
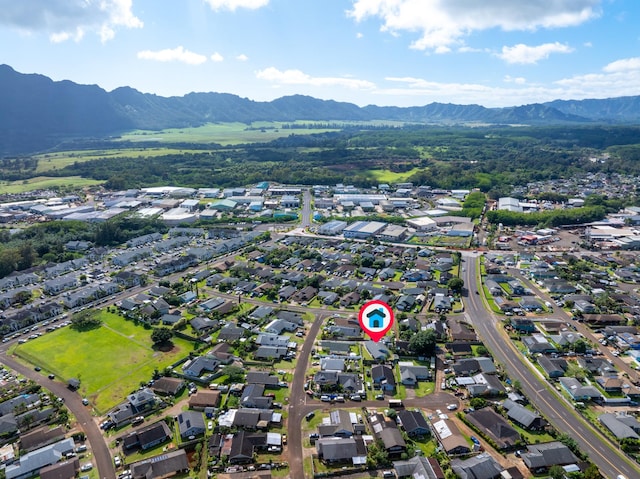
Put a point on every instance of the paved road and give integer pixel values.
(101, 455)
(560, 414)
(306, 213)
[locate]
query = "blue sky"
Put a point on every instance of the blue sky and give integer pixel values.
(382, 52)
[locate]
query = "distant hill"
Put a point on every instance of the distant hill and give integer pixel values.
(38, 113)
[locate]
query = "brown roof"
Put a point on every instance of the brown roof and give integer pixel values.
(204, 398)
(61, 470)
(40, 437)
(170, 386)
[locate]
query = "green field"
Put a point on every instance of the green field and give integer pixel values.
(110, 361)
(45, 182)
(387, 176)
(221, 133)
(58, 160)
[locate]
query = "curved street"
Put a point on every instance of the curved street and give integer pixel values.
(101, 457)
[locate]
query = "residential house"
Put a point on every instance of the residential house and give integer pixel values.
(345, 328)
(269, 339)
(203, 325)
(204, 399)
(524, 417)
(494, 426)
(190, 423)
(485, 385)
(264, 378)
(383, 377)
(167, 386)
(197, 366)
(540, 457)
(450, 438)
(578, 391)
(377, 350)
(128, 279)
(270, 352)
(332, 364)
(418, 467)
(30, 463)
(482, 466)
(341, 423)
(159, 467)
(413, 423)
(277, 326)
(147, 437)
(62, 470)
(622, 426)
(253, 397)
(554, 367)
(60, 284)
(338, 449)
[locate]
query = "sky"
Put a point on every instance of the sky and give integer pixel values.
(382, 52)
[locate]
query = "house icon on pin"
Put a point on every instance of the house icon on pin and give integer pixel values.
(376, 317)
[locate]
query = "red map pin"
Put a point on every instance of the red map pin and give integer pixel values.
(376, 318)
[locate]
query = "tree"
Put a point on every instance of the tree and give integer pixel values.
(234, 374)
(423, 343)
(592, 472)
(556, 472)
(580, 346)
(85, 321)
(161, 335)
(456, 284)
(482, 350)
(478, 403)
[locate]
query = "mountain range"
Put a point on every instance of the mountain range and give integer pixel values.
(37, 113)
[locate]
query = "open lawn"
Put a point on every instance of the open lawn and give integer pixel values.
(110, 361)
(45, 182)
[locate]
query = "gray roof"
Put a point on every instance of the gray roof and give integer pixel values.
(35, 460)
(190, 420)
(417, 467)
(519, 413)
(618, 428)
(161, 466)
(482, 466)
(548, 454)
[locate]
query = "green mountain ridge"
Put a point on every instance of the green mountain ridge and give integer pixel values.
(38, 113)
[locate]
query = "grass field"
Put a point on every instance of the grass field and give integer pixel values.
(110, 361)
(387, 176)
(58, 160)
(221, 133)
(44, 182)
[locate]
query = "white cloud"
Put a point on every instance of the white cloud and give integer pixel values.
(516, 80)
(359, 35)
(69, 19)
(619, 78)
(178, 54)
(627, 64)
(526, 54)
(216, 57)
(242, 57)
(444, 23)
(235, 4)
(297, 77)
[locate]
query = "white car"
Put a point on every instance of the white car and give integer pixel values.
(86, 467)
(452, 407)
